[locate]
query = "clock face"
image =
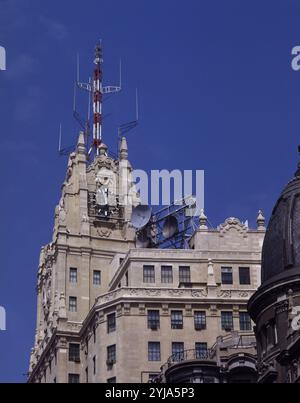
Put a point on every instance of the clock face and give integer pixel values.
(102, 196)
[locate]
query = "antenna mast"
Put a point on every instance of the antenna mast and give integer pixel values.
(97, 99)
(96, 90)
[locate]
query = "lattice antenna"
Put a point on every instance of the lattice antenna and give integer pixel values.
(63, 150)
(126, 127)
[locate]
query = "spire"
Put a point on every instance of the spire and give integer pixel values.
(81, 144)
(203, 220)
(260, 221)
(123, 152)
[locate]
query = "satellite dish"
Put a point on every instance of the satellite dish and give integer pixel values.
(170, 227)
(140, 216)
(142, 239)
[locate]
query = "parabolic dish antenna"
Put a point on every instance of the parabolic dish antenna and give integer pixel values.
(140, 216)
(170, 227)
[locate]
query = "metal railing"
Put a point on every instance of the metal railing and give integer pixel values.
(192, 354)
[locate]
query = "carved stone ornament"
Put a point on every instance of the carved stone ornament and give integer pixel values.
(235, 223)
(104, 232)
(224, 294)
(198, 293)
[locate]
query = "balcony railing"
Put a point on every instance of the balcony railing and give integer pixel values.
(192, 354)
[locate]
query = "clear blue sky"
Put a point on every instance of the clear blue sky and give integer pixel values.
(216, 93)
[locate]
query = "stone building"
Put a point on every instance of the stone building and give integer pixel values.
(108, 311)
(232, 359)
(275, 307)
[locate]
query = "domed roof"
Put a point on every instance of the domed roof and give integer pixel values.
(281, 249)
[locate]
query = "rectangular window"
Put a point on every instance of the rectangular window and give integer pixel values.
(244, 273)
(227, 321)
(226, 274)
(154, 351)
(166, 274)
(200, 320)
(177, 351)
(245, 321)
(74, 378)
(112, 380)
(74, 352)
(73, 275)
(201, 350)
(87, 375)
(97, 277)
(111, 323)
(149, 274)
(72, 304)
(184, 274)
(94, 365)
(111, 355)
(176, 320)
(153, 319)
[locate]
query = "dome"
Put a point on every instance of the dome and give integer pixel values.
(281, 249)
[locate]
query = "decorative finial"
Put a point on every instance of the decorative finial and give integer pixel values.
(81, 144)
(260, 221)
(123, 149)
(203, 220)
(103, 149)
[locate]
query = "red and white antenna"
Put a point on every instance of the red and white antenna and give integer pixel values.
(97, 99)
(97, 90)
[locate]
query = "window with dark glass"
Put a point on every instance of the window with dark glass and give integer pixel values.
(177, 351)
(97, 277)
(148, 274)
(244, 273)
(200, 320)
(154, 351)
(74, 352)
(73, 275)
(111, 323)
(94, 365)
(87, 375)
(111, 355)
(166, 274)
(201, 350)
(72, 304)
(227, 321)
(73, 378)
(153, 319)
(176, 320)
(94, 333)
(226, 275)
(184, 274)
(112, 380)
(245, 321)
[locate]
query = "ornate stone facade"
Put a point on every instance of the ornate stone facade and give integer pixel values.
(97, 291)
